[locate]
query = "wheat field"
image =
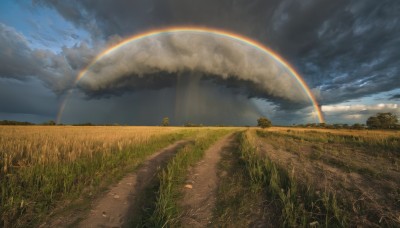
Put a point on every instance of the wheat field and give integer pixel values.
(40, 165)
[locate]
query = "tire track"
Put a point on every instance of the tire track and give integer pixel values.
(121, 202)
(200, 192)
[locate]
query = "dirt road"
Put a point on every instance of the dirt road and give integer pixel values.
(116, 207)
(200, 191)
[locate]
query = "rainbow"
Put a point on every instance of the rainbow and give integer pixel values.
(212, 31)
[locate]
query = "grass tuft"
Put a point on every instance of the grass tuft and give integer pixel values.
(299, 205)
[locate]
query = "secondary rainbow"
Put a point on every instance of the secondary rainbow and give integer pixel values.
(212, 31)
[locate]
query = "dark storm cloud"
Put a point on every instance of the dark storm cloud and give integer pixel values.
(186, 101)
(344, 49)
(27, 97)
(56, 71)
(17, 59)
(340, 47)
(137, 64)
(395, 97)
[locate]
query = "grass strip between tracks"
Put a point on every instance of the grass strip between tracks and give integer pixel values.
(167, 211)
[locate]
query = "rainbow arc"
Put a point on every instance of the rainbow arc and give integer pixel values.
(217, 32)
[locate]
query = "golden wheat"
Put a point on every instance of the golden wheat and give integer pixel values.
(31, 145)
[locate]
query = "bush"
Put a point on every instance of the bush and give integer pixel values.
(264, 122)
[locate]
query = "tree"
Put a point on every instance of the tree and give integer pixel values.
(165, 121)
(50, 122)
(388, 120)
(264, 122)
(357, 126)
(385, 120)
(373, 122)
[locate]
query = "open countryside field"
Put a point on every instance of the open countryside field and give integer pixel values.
(74, 176)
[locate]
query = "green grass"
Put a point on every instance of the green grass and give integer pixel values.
(240, 202)
(29, 193)
(375, 146)
(337, 155)
(298, 206)
(166, 209)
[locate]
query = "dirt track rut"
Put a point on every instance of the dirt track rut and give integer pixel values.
(199, 201)
(116, 207)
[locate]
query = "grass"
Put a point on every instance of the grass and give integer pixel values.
(353, 173)
(44, 166)
(42, 169)
(240, 201)
(333, 150)
(166, 209)
(298, 205)
(376, 143)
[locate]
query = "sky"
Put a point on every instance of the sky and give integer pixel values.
(346, 51)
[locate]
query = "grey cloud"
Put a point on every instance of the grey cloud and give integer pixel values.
(28, 98)
(325, 40)
(17, 59)
(79, 56)
(137, 65)
(187, 101)
(395, 97)
(357, 113)
(344, 49)
(56, 71)
(74, 36)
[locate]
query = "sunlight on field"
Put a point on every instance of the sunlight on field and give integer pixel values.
(24, 146)
(367, 133)
(355, 173)
(277, 176)
(40, 165)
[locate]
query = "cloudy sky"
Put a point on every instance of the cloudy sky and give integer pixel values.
(348, 53)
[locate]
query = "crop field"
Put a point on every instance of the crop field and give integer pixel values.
(117, 176)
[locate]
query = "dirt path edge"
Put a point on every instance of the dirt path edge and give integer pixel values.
(116, 207)
(202, 183)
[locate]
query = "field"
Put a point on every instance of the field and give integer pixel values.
(71, 176)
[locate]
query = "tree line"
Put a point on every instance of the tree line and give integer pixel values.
(384, 120)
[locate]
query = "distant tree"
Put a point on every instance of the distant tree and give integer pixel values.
(264, 122)
(50, 122)
(373, 122)
(188, 124)
(385, 120)
(165, 121)
(84, 124)
(388, 120)
(329, 126)
(12, 122)
(193, 125)
(357, 126)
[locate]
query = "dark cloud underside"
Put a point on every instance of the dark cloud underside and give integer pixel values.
(344, 49)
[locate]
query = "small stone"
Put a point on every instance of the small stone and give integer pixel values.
(314, 224)
(104, 214)
(116, 196)
(189, 186)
